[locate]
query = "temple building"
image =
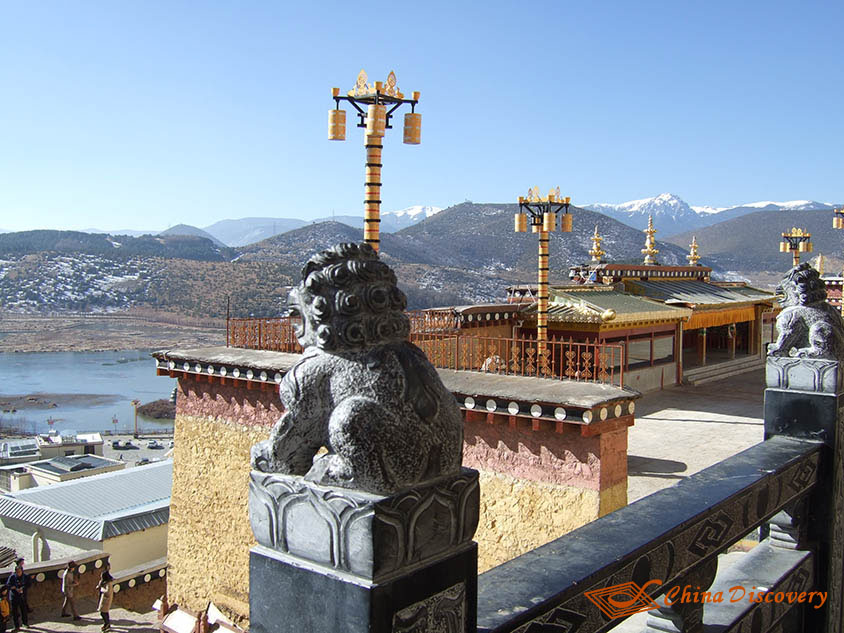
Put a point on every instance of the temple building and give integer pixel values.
(674, 324)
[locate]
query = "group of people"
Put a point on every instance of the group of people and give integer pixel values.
(14, 606)
(13, 598)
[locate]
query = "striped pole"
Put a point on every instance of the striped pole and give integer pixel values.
(542, 298)
(372, 203)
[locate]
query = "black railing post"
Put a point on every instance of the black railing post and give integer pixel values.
(805, 399)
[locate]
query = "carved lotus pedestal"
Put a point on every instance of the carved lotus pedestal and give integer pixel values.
(334, 559)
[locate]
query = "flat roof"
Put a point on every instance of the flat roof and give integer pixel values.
(582, 394)
(100, 506)
(72, 463)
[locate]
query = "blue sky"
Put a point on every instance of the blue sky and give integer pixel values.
(141, 114)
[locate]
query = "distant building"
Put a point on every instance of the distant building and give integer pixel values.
(19, 451)
(673, 322)
(125, 513)
(63, 445)
(49, 445)
(16, 477)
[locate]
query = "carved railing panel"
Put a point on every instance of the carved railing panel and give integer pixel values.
(669, 536)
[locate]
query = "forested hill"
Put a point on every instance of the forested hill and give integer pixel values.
(113, 246)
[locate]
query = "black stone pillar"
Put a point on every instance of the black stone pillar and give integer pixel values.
(804, 399)
(332, 559)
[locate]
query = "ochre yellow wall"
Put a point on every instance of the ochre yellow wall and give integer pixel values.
(210, 536)
(518, 515)
(136, 548)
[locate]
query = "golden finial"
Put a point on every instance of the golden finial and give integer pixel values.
(391, 88)
(361, 87)
(650, 252)
(596, 253)
(533, 195)
(693, 257)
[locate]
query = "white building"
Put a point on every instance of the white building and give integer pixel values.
(66, 444)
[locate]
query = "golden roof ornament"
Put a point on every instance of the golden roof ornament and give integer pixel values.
(361, 87)
(650, 252)
(693, 257)
(596, 252)
(388, 88)
(391, 88)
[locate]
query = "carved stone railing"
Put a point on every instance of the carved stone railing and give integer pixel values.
(673, 536)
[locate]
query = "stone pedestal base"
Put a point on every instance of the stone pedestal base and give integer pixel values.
(288, 596)
(803, 414)
(332, 559)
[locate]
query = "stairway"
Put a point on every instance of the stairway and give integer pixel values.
(724, 369)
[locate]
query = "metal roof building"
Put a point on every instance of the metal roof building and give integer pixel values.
(97, 507)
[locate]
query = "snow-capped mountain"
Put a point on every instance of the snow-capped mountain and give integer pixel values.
(393, 221)
(417, 213)
(251, 230)
(708, 210)
(672, 215)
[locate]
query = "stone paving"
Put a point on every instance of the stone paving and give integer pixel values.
(122, 620)
(682, 430)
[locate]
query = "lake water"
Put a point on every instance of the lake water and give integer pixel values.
(116, 378)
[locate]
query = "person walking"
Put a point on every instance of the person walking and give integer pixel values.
(5, 607)
(16, 585)
(69, 583)
(106, 588)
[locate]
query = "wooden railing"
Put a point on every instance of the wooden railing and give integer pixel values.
(433, 320)
(447, 348)
(596, 362)
(275, 335)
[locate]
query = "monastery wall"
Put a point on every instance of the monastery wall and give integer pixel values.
(535, 486)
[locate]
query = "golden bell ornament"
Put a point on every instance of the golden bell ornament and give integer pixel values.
(566, 223)
(549, 221)
(336, 125)
(376, 120)
(521, 222)
(412, 128)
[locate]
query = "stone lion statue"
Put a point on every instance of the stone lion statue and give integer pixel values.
(808, 326)
(361, 390)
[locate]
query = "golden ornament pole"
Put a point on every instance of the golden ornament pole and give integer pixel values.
(650, 251)
(795, 242)
(376, 120)
(543, 219)
(596, 252)
(542, 292)
(838, 221)
(693, 257)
